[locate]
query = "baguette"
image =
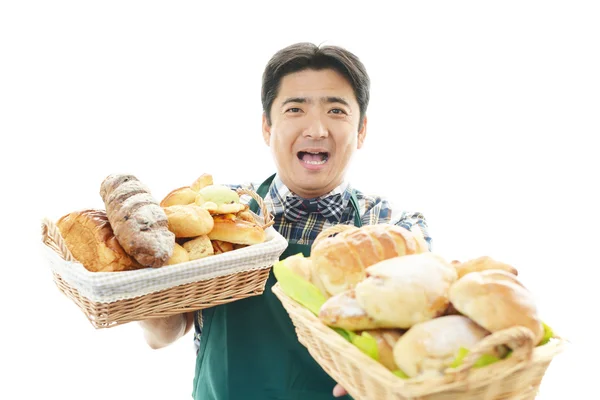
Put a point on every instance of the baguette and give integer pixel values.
(139, 223)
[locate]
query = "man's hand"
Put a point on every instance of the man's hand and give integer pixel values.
(339, 391)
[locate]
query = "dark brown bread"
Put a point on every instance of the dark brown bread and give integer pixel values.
(139, 223)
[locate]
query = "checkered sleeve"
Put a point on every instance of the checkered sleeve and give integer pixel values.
(379, 211)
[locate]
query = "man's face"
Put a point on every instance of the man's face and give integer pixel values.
(314, 130)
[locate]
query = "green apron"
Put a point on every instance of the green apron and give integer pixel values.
(249, 349)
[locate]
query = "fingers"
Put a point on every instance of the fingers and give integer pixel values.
(339, 391)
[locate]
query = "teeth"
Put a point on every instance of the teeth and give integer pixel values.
(316, 162)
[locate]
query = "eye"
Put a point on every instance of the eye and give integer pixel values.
(338, 111)
(293, 110)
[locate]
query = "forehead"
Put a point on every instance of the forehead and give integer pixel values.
(315, 84)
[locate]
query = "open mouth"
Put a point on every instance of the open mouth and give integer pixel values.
(313, 158)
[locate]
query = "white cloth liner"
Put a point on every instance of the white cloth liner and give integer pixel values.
(107, 287)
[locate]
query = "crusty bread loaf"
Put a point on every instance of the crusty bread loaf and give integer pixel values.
(340, 261)
(232, 229)
(91, 240)
(139, 223)
(402, 291)
(482, 264)
(430, 347)
(496, 300)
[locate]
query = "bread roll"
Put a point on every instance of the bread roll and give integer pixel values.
(343, 311)
(90, 239)
(386, 340)
(138, 222)
(220, 247)
(340, 261)
(300, 265)
(229, 228)
(496, 300)
(190, 220)
(180, 255)
(180, 196)
(201, 182)
(428, 348)
(199, 247)
(402, 291)
(482, 264)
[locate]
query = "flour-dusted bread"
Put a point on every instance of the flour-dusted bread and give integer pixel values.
(138, 221)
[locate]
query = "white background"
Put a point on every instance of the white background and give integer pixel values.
(484, 117)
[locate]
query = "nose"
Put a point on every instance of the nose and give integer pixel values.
(316, 129)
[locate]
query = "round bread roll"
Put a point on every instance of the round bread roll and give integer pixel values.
(199, 247)
(181, 196)
(428, 348)
(343, 311)
(180, 255)
(496, 300)
(482, 264)
(188, 220)
(229, 228)
(403, 291)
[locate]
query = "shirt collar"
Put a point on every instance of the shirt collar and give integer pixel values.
(279, 191)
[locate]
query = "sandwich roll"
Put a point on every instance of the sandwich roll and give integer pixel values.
(403, 291)
(430, 347)
(496, 300)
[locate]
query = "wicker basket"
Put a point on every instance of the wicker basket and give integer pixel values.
(207, 282)
(517, 377)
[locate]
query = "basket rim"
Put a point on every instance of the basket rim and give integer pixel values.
(106, 287)
(419, 386)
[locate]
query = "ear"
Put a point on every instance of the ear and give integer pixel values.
(266, 130)
(361, 134)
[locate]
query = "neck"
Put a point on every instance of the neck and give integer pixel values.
(308, 193)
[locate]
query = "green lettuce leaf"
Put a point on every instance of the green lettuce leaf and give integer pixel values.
(298, 288)
(399, 373)
(548, 334)
(309, 296)
(367, 344)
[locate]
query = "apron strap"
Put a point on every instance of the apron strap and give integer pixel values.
(262, 191)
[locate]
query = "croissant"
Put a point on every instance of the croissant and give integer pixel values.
(339, 262)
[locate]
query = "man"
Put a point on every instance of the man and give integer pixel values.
(314, 119)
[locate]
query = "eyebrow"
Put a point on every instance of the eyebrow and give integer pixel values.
(327, 100)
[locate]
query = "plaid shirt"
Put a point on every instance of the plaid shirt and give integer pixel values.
(373, 210)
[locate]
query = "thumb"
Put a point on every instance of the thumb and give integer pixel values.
(339, 391)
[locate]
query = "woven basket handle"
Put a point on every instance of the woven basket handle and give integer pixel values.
(52, 238)
(268, 217)
(332, 230)
(519, 339)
